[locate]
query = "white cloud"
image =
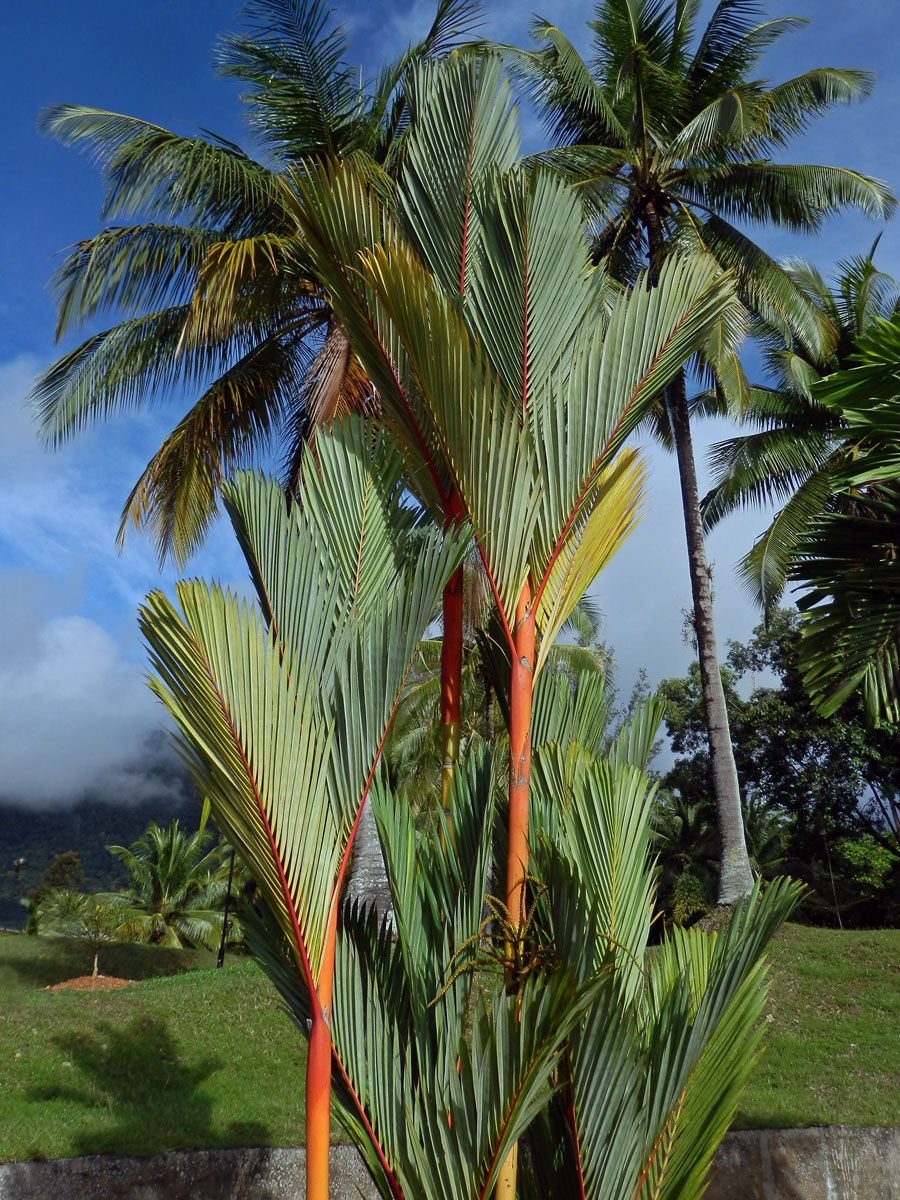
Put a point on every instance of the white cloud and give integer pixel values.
(74, 706)
(75, 714)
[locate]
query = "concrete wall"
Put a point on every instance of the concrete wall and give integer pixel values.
(839, 1162)
(828, 1162)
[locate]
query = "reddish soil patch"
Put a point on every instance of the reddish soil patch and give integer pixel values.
(91, 983)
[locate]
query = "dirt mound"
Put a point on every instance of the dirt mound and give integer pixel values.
(91, 983)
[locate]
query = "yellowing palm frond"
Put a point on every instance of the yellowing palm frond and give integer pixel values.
(603, 525)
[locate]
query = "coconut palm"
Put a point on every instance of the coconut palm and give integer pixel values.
(218, 300)
(174, 897)
(797, 441)
(670, 139)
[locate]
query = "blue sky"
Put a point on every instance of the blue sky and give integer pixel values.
(74, 707)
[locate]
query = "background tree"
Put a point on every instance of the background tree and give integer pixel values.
(176, 890)
(816, 791)
(65, 871)
(670, 139)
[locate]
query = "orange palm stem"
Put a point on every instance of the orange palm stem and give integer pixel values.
(520, 697)
(318, 1108)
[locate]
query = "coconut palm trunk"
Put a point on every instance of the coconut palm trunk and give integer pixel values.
(367, 881)
(735, 876)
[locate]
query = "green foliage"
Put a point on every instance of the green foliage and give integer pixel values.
(799, 442)
(63, 872)
(440, 1065)
(690, 899)
(816, 790)
(846, 565)
(503, 399)
(176, 890)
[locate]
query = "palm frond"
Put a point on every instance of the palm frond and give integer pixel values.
(482, 439)
(603, 524)
(759, 468)
(766, 288)
(306, 99)
(176, 496)
(115, 371)
(734, 38)
(847, 568)
(283, 713)
(134, 268)
(580, 422)
(727, 120)
(795, 196)
(163, 176)
(789, 108)
(532, 293)
(572, 102)
(344, 216)
(463, 126)
(764, 570)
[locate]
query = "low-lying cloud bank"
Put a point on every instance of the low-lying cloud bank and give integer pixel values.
(76, 717)
(75, 711)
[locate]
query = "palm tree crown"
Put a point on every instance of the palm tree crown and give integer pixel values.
(213, 285)
(797, 442)
(671, 139)
(174, 897)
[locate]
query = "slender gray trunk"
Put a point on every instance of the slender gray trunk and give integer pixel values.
(735, 876)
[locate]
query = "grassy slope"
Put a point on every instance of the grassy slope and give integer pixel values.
(198, 1057)
(833, 1056)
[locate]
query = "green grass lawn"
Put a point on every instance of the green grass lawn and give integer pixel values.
(194, 1057)
(833, 1054)
(190, 1057)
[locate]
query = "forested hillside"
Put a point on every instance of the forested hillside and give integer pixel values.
(36, 834)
